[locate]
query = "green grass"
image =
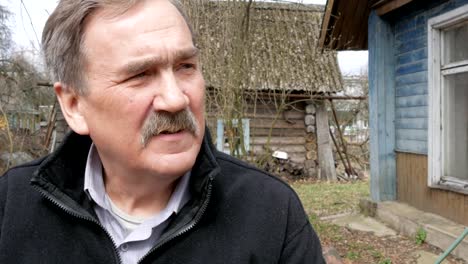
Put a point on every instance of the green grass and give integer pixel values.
(353, 255)
(326, 230)
(385, 261)
(420, 236)
(324, 199)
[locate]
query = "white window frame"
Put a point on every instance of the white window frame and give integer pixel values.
(436, 87)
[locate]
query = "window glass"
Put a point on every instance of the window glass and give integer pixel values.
(455, 125)
(455, 41)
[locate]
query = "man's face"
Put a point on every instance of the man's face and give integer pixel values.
(140, 64)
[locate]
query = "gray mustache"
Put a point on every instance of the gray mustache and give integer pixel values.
(158, 122)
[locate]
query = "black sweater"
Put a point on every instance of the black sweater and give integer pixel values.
(237, 214)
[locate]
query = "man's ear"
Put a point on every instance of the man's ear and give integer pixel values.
(72, 110)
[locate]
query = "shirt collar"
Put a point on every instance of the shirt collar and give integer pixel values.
(93, 182)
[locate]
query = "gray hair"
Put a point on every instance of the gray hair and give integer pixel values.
(62, 38)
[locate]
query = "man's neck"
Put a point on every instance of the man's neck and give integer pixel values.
(141, 196)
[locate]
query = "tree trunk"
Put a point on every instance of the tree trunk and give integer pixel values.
(325, 153)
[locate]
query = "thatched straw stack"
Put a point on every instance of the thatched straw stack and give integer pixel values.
(263, 46)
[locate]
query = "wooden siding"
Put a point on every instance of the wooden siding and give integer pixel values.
(412, 189)
(411, 84)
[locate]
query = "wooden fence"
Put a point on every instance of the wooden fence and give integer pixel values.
(28, 121)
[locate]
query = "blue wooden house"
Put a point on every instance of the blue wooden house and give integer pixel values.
(418, 96)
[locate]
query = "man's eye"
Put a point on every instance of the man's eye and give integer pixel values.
(138, 76)
(187, 66)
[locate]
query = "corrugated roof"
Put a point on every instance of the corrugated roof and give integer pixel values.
(280, 51)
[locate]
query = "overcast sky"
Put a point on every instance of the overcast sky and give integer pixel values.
(29, 17)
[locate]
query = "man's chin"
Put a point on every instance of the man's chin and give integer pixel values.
(169, 155)
(174, 165)
(170, 143)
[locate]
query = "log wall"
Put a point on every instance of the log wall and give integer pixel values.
(288, 130)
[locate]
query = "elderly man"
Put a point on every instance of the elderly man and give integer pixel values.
(138, 179)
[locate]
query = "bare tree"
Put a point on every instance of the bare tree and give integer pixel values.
(20, 96)
(5, 34)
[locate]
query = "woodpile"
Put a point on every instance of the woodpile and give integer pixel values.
(286, 168)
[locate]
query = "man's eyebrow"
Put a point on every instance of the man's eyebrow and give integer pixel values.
(138, 66)
(186, 54)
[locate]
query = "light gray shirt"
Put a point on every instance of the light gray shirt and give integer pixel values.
(134, 237)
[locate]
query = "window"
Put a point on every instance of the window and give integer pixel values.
(222, 143)
(448, 100)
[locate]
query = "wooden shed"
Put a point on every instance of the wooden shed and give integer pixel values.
(263, 67)
(418, 97)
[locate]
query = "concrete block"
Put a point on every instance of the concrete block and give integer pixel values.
(441, 232)
(365, 224)
(386, 212)
(443, 237)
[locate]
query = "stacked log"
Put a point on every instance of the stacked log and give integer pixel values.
(310, 164)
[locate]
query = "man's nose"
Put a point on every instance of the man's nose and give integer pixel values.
(170, 96)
